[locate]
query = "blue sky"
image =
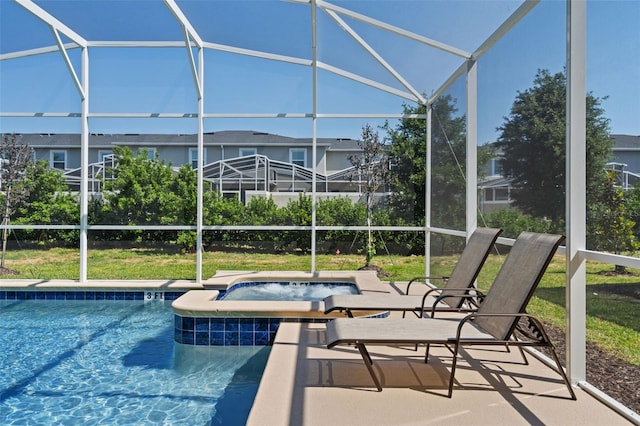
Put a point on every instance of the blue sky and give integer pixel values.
(159, 80)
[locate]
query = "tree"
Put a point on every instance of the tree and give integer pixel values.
(49, 202)
(146, 192)
(371, 167)
(448, 177)
(533, 140)
(15, 157)
(614, 229)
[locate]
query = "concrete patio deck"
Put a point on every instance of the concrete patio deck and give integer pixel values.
(305, 383)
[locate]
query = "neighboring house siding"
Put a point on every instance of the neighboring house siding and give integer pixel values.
(332, 155)
(495, 190)
(629, 157)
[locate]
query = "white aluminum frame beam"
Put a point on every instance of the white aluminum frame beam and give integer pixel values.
(395, 30)
(52, 22)
(342, 24)
(188, 33)
(513, 19)
(67, 61)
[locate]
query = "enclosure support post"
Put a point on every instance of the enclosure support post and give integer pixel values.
(314, 135)
(427, 196)
(84, 167)
(200, 185)
(576, 190)
(471, 171)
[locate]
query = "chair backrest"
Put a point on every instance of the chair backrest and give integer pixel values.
(473, 256)
(516, 281)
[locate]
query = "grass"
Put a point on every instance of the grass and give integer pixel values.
(613, 301)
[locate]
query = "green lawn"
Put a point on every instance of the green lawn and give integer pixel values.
(613, 301)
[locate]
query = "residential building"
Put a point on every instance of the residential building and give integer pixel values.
(239, 163)
(494, 191)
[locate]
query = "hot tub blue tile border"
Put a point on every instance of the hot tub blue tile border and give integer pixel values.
(230, 331)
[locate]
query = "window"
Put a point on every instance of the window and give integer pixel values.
(245, 152)
(102, 154)
(58, 160)
(495, 167)
(151, 152)
(502, 194)
(298, 157)
(193, 157)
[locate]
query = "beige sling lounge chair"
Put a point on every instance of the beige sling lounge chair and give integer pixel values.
(500, 319)
(448, 298)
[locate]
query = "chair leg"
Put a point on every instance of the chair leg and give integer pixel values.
(524, 357)
(453, 369)
(426, 353)
(369, 363)
(562, 373)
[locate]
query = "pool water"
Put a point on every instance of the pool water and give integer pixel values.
(78, 362)
(283, 291)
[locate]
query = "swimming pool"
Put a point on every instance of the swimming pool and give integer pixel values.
(287, 290)
(116, 362)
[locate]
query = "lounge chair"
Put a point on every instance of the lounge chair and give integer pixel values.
(448, 298)
(500, 319)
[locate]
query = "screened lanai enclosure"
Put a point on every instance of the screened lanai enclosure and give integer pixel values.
(440, 83)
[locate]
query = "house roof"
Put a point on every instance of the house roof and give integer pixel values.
(227, 137)
(626, 142)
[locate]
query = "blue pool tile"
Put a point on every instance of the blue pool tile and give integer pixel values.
(3, 295)
(202, 324)
(216, 324)
(202, 338)
(216, 338)
(231, 324)
(246, 324)
(231, 338)
(274, 323)
(188, 337)
(172, 295)
(177, 335)
(188, 323)
(177, 322)
(262, 338)
(246, 338)
(261, 324)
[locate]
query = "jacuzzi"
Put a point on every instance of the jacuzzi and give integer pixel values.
(312, 291)
(202, 318)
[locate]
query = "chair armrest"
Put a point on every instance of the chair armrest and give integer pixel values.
(543, 338)
(417, 280)
(474, 298)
